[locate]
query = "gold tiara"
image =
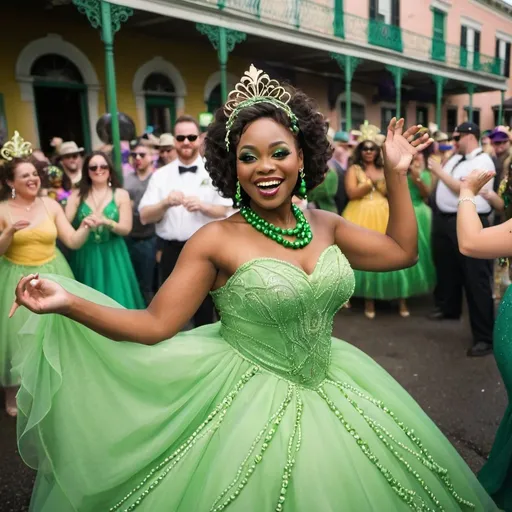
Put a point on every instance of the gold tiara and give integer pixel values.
(257, 87)
(16, 148)
(367, 131)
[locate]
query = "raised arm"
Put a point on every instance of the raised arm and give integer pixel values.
(74, 239)
(475, 240)
(170, 310)
(7, 232)
(397, 248)
(438, 171)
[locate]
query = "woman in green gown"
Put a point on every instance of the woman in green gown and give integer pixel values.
(263, 411)
(493, 242)
(104, 263)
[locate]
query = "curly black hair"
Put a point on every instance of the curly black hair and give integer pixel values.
(357, 157)
(311, 139)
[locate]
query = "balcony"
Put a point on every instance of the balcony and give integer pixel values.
(320, 18)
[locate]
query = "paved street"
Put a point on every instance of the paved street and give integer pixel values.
(465, 397)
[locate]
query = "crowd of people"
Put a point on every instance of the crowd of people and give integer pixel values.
(150, 259)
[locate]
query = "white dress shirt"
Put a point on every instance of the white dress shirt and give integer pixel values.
(446, 200)
(178, 223)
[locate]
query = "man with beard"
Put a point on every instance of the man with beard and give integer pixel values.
(180, 199)
(70, 161)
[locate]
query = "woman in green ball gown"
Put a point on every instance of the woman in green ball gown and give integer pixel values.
(488, 243)
(263, 411)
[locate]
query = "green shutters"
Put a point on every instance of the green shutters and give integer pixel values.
(339, 26)
(438, 33)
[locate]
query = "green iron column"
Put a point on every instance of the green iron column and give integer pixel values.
(398, 74)
(500, 111)
(471, 90)
(224, 41)
(108, 17)
(348, 65)
(440, 82)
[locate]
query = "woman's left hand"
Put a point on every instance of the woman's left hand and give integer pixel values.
(399, 146)
(476, 180)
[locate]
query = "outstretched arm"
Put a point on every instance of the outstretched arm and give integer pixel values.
(175, 303)
(475, 240)
(397, 248)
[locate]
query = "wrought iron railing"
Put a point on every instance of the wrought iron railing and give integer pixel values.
(319, 16)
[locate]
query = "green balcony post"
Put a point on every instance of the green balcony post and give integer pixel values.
(500, 111)
(348, 65)
(440, 82)
(108, 17)
(398, 75)
(471, 89)
(339, 22)
(224, 41)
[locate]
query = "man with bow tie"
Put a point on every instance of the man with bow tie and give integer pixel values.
(180, 199)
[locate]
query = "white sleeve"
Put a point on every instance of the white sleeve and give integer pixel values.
(216, 198)
(153, 194)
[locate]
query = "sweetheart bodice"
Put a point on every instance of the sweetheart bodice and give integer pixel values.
(279, 317)
(101, 234)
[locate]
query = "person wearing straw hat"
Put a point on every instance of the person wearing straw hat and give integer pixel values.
(166, 149)
(70, 160)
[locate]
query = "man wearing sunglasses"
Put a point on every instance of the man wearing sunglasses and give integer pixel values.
(456, 272)
(180, 199)
(70, 160)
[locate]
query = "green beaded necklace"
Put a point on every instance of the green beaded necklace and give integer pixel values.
(302, 231)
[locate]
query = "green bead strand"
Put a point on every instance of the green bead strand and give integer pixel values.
(302, 230)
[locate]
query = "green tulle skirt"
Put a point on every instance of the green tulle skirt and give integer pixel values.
(107, 267)
(10, 274)
(419, 279)
(190, 425)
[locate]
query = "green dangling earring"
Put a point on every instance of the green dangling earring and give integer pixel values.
(302, 188)
(238, 195)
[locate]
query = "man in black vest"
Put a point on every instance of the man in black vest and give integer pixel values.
(455, 271)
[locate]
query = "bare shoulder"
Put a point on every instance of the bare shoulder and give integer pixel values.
(321, 219)
(51, 204)
(121, 195)
(3, 215)
(74, 196)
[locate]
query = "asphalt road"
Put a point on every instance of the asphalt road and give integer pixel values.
(464, 396)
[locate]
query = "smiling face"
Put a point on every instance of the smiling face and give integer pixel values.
(268, 163)
(99, 171)
(186, 136)
(26, 181)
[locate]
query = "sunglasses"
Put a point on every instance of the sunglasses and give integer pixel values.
(181, 138)
(94, 168)
(74, 156)
(369, 148)
(499, 142)
(166, 150)
(135, 154)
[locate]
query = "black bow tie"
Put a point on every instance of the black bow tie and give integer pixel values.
(187, 169)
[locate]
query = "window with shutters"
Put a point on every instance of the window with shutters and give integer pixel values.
(502, 55)
(438, 35)
(476, 115)
(384, 24)
(469, 48)
(422, 116)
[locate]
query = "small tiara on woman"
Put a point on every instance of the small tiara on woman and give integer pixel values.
(16, 148)
(257, 87)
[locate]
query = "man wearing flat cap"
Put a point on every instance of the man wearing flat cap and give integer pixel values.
(456, 272)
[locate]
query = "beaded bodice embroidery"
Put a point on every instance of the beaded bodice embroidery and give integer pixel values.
(280, 318)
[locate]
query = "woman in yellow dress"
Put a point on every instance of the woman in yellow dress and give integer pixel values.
(368, 207)
(29, 227)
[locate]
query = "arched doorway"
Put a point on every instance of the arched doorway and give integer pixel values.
(214, 100)
(160, 103)
(60, 97)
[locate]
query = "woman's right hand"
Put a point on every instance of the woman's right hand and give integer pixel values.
(17, 226)
(90, 222)
(40, 296)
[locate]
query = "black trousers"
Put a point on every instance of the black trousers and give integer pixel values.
(170, 253)
(456, 272)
